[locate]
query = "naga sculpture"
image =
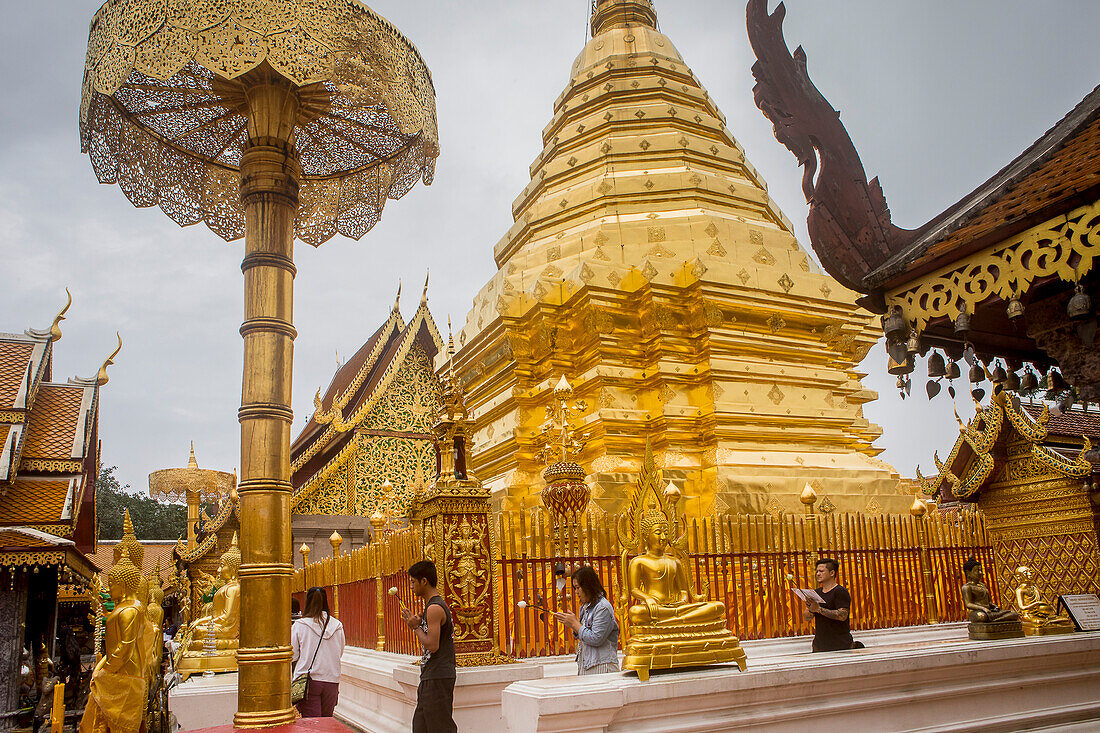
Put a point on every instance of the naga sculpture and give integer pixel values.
(669, 624)
(849, 222)
(116, 694)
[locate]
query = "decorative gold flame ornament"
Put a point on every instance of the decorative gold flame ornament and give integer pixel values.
(116, 694)
(1037, 617)
(566, 494)
(266, 119)
(669, 625)
(219, 624)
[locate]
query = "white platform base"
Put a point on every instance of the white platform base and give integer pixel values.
(913, 679)
(378, 692)
(204, 702)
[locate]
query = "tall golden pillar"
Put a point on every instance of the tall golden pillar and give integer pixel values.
(267, 120)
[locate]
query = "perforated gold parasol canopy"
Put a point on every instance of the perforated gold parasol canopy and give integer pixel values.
(163, 110)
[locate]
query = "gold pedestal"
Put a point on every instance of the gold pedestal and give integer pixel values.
(200, 663)
(672, 647)
(1058, 626)
(994, 631)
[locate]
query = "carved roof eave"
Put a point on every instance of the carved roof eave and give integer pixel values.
(849, 222)
(971, 461)
(421, 322)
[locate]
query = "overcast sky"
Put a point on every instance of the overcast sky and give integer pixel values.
(936, 94)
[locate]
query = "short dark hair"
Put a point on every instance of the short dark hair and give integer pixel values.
(424, 570)
(316, 603)
(971, 564)
(295, 607)
(833, 565)
(587, 579)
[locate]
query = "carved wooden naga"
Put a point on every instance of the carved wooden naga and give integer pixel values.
(849, 222)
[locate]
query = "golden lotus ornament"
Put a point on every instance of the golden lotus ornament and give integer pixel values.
(268, 120)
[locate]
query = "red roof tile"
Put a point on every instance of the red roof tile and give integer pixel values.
(52, 423)
(14, 357)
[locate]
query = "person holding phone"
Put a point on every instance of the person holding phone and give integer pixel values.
(595, 628)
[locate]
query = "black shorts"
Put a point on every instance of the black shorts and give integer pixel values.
(434, 704)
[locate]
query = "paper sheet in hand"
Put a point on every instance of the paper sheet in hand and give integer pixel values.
(808, 594)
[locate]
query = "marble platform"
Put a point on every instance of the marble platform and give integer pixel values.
(912, 679)
(204, 702)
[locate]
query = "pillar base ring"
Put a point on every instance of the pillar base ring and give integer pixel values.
(265, 411)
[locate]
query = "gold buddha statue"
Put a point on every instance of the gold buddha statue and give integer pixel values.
(212, 639)
(1038, 617)
(987, 620)
(155, 610)
(116, 694)
(669, 624)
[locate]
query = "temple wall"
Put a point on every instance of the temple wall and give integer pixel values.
(1043, 519)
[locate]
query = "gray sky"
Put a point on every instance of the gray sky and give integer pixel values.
(936, 94)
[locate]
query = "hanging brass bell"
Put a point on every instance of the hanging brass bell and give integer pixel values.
(936, 366)
(953, 371)
(1055, 383)
(1029, 382)
(1015, 308)
(1080, 305)
(999, 375)
(903, 366)
(1012, 382)
(894, 325)
(962, 324)
(977, 374)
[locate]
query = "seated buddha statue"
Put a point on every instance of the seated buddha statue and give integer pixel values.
(669, 625)
(659, 586)
(221, 624)
(116, 693)
(1038, 616)
(978, 600)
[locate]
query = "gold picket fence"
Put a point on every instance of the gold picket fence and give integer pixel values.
(900, 570)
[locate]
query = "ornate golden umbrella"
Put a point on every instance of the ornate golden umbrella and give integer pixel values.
(266, 119)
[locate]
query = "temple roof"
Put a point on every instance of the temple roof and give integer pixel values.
(49, 450)
(849, 223)
(357, 385)
(1057, 173)
(972, 459)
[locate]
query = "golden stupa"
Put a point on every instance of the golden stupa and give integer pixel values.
(648, 264)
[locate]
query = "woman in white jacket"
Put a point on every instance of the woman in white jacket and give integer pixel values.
(318, 641)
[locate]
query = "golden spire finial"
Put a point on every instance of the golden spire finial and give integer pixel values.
(397, 300)
(127, 523)
(101, 378)
(608, 14)
(55, 327)
(424, 295)
(808, 495)
(191, 462)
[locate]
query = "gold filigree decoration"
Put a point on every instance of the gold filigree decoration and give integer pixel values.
(161, 109)
(1064, 247)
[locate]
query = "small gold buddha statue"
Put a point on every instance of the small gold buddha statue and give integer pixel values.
(987, 620)
(669, 624)
(116, 694)
(156, 621)
(214, 637)
(1038, 617)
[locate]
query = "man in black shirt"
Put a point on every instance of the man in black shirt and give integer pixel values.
(832, 631)
(435, 631)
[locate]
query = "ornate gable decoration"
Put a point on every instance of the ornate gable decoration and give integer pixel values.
(970, 464)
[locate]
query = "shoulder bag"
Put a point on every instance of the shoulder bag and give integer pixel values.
(299, 686)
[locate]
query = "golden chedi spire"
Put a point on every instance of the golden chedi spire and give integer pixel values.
(649, 264)
(129, 542)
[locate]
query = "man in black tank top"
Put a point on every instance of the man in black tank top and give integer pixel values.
(435, 630)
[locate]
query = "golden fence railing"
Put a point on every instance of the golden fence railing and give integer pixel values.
(362, 578)
(900, 570)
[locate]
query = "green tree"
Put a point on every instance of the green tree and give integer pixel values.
(153, 520)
